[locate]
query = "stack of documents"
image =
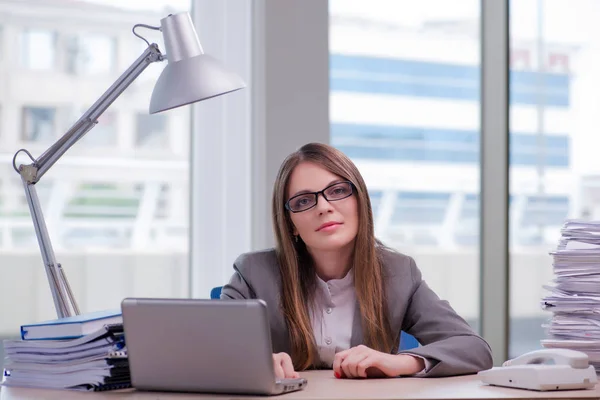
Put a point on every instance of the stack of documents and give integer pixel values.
(574, 294)
(94, 362)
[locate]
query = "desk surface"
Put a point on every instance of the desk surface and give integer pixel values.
(322, 385)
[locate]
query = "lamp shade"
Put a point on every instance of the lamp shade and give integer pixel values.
(190, 75)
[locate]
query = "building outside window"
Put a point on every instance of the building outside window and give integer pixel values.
(38, 124)
(89, 54)
(404, 105)
(151, 131)
(109, 212)
(38, 49)
(104, 134)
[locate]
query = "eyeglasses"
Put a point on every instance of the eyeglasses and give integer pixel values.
(306, 201)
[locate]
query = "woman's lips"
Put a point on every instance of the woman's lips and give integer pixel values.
(328, 226)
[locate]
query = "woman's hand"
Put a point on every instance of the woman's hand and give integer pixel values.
(364, 362)
(284, 368)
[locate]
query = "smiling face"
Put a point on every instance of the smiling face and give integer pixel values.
(330, 225)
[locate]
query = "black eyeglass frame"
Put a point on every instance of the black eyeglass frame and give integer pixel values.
(316, 194)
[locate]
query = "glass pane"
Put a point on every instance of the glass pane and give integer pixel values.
(38, 49)
(38, 124)
(104, 133)
(553, 74)
(404, 79)
(90, 54)
(118, 221)
(151, 131)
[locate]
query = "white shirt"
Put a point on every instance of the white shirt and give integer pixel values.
(332, 318)
(333, 315)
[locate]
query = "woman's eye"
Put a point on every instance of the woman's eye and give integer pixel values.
(338, 191)
(302, 201)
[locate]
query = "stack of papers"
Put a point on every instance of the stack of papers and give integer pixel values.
(94, 362)
(574, 294)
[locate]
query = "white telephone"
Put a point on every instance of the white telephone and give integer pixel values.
(568, 370)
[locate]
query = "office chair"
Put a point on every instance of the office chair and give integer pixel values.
(407, 341)
(215, 293)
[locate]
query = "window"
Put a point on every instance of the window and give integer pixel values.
(151, 131)
(105, 130)
(39, 124)
(89, 54)
(420, 208)
(414, 217)
(118, 222)
(554, 159)
(38, 49)
(375, 197)
(104, 134)
(467, 226)
(404, 105)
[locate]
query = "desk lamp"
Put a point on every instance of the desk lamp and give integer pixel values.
(189, 76)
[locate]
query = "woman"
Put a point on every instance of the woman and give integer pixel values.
(336, 297)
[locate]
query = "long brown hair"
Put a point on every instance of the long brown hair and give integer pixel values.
(298, 280)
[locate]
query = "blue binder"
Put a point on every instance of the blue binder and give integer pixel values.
(70, 327)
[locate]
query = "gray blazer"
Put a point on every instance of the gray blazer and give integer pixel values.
(446, 339)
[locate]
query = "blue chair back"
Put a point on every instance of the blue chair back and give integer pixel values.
(407, 341)
(215, 293)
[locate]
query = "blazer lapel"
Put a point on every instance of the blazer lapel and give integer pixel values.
(395, 314)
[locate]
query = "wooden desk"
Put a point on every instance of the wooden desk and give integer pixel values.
(322, 385)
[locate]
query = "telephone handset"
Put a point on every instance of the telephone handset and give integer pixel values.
(547, 369)
(576, 359)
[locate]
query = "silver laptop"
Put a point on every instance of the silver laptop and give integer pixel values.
(210, 346)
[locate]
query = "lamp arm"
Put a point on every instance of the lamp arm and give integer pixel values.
(90, 117)
(64, 301)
